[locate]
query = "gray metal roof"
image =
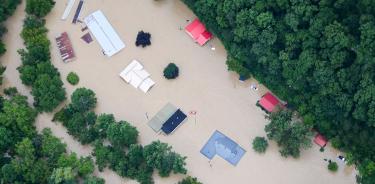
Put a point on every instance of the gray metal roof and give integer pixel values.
(161, 117)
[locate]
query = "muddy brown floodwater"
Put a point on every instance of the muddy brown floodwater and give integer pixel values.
(204, 85)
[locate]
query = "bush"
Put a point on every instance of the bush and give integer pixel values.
(171, 71)
(11, 91)
(260, 144)
(143, 39)
(72, 78)
(189, 180)
(332, 166)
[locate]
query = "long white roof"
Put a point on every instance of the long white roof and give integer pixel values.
(104, 33)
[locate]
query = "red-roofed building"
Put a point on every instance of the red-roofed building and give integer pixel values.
(320, 140)
(269, 102)
(198, 32)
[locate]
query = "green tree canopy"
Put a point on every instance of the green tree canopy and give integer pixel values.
(367, 170)
(122, 134)
(102, 123)
(159, 155)
(30, 157)
(18, 117)
(47, 92)
(51, 147)
(39, 8)
(68, 160)
(36, 69)
(93, 180)
(189, 180)
(101, 155)
(6, 139)
(63, 175)
(290, 135)
(83, 100)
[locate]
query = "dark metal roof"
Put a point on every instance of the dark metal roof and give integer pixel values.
(172, 123)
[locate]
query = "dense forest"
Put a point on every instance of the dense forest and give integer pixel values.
(30, 157)
(318, 55)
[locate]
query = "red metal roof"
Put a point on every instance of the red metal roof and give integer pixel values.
(269, 102)
(198, 32)
(320, 140)
(203, 38)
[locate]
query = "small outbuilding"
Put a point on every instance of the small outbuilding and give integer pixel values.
(198, 32)
(320, 140)
(167, 119)
(269, 102)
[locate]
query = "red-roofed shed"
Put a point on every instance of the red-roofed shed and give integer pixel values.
(320, 140)
(198, 32)
(269, 102)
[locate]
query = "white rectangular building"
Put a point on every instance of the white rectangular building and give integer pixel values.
(137, 76)
(104, 33)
